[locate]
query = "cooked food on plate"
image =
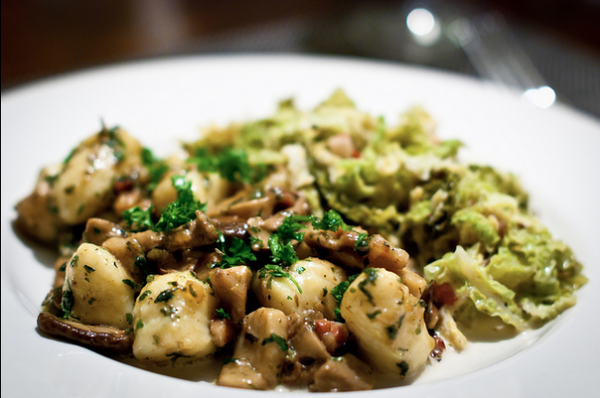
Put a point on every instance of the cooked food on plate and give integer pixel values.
(326, 250)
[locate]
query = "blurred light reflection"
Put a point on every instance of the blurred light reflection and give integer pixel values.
(542, 97)
(424, 26)
(420, 21)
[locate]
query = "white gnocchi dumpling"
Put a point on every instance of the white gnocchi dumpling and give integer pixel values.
(84, 186)
(314, 276)
(98, 290)
(387, 322)
(171, 319)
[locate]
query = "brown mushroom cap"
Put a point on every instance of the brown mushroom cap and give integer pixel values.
(97, 337)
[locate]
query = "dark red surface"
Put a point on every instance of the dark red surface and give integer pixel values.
(45, 37)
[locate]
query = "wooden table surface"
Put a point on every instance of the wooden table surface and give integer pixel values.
(47, 37)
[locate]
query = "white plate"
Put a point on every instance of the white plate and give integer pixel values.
(555, 152)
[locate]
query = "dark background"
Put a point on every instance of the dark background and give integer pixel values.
(47, 37)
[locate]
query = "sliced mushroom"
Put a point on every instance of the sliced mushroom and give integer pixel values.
(173, 250)
(383, 254)
(96, 337)
(127, 251)
(344, 248)
(196, 233)
(305, 341)
(148, 240)
(222, 331)
(259, 353)
(247, 204)
(309, 352)
(231, 287)
(182, 260)
(231, 226)
(346, 373)
(98, 230)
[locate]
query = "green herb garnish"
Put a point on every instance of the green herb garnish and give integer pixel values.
(222, 314)
(362, 244)
(138, 219)
(156, 168)
(331, 221)
(338, 293)
(371, 274)
(180, 212)
(236, 254)
(67, 301)
(275, 271)
(232, 164)
(403, 368)
(144, 294)
(183, 209)
(280, 341)
(130, 283)
(88, 268)
(165, 295)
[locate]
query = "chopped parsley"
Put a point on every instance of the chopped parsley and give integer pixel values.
(74, 260)
(338, 293)
(275, 271)
(138, 219)
(392, 330)
(183, 209)
(88, 268)
(236, 254)
(280, 341)
(156, 168)
(130, 283)
(222, 314)
(331, 221)
(282, 252)
(403, 368)
(165, 295)
(371, 276)
(362, 244)
(232, 164)
(141, 264)
(290, 226)
(68, 300)
(177, 213)
(144, 294)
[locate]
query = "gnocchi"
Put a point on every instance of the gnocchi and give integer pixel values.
(388, 323)
(99, 290)
(171, 319)
(315, 279)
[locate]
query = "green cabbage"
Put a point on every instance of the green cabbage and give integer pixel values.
(471, 281)
(406, 184)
